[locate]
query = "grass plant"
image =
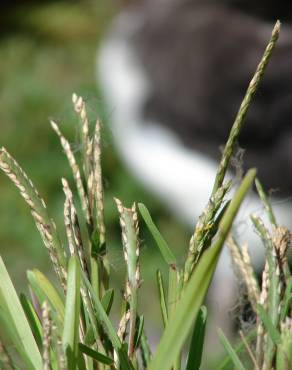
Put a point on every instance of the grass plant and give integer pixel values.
(70, 326)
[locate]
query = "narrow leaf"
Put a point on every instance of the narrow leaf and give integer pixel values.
(95, 355)
(43, 287)
(229, 349)
(139, 330)
(166, 252)
(107, 300)
(72, 309)
(16, 318)
(197, 341)
(272, 331)
(33, 319)
(107, 324)
(196, 289)
(162, 299)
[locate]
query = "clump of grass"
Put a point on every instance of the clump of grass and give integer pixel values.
(72, 328)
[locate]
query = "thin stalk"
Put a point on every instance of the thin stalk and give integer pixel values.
(237, 125)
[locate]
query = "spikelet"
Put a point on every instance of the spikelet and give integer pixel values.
(75, 171)
(131, 248)
(97, 182)
(45, 225)
(47, 331)
(242, 261)
(204, 230)
(80, 109)
(73, 228)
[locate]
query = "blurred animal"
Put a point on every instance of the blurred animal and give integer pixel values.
(173, 74)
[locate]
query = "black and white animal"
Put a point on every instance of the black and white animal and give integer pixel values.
(173, 74)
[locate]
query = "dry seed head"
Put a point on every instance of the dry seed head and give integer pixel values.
(131, 245)
(80, 109)
(47, 330)
(75, 170)
(72, 226)
(97, 182)
(252, 282)
(265, 286)
(67, 216)
(286, 326)
(281, 241)
(44, 224)
(242, 262)
(123, 325)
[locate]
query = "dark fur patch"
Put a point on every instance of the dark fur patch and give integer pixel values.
(199, 57)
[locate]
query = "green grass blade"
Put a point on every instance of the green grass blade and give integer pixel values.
(32, 318)
(226, 363)
(173, 297)
(44, 289)
(162, 299)
(108, 326)
(272, 331)
(107, 300)
(287, 300)
(196, 289)
(266, 202)
(17, 319)
(139, 330)
(197, 341)
(8, 331)
(70, 337)
(95, 355)
(229, 349)
(166, 252)
(186, 311)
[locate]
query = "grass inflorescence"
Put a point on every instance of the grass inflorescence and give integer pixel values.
(73, 327)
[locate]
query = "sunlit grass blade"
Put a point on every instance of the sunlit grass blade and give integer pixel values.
(95, 355)
(70, 337)
(166, 252)
(44, 289)
(197, 341)
(17, 320)
(194, 293)
(162, 299)
(229, 349)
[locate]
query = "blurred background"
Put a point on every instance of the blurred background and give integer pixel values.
(47, 52)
